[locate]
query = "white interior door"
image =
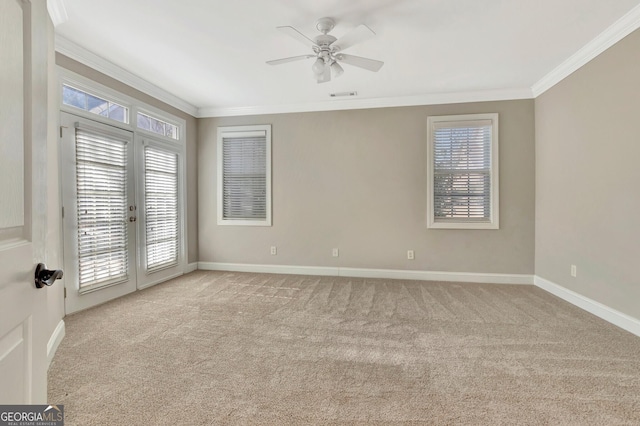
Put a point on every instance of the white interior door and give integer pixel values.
(98, 192)
(23, 208)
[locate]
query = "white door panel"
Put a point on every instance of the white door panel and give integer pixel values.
(99, 200)
(23, 162)
(159, 212)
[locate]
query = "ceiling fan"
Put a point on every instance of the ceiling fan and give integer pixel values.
(328, 50)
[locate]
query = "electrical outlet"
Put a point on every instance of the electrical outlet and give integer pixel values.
(274, 250)
(410, 255)
(335, 252)
(574, 271)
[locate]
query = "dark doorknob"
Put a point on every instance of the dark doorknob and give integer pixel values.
(45, 276)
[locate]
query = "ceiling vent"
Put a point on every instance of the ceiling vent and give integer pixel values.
(343, 94)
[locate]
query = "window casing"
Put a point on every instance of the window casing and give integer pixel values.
(463, 183)
(244, 175)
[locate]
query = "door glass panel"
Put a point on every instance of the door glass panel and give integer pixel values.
(101, 176)
(161, 208)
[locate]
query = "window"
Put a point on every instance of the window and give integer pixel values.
(155, 125)
(244, 175)
(463, 171)
(94, 104)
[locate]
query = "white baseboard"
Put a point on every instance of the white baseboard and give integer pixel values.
(190, 267)
(54, 341)
(624, 321)
(269, 269)
(470, 277)
(371, 273)
(160, 280)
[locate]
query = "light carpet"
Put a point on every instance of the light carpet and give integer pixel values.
(239, 348)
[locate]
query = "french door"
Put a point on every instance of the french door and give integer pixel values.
(121, 211)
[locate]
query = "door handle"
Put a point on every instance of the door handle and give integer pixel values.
(45, 276)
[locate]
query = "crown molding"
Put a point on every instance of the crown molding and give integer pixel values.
(347, 104)
(82, 55)
(57, 12)
(616, 32)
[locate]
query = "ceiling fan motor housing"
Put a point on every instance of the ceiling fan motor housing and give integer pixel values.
(324, 25)
(324, 40)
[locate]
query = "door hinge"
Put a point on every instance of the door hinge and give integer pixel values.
(60, 131)
(63, 212)
(65, 292)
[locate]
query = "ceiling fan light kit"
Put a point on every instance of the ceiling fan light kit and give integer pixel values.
(326, 47)
(336, 69)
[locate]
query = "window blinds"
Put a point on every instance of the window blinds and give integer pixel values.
(101, 178)
(462, 171)
(161, 207)
(244, 175)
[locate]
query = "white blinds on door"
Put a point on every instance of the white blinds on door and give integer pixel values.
(462, 171)
(101, 178)
(161, 208)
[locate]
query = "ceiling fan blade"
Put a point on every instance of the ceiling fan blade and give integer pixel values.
(357, 61)
(292, 32)
(325, 76)
(358, 35)
(291, 59)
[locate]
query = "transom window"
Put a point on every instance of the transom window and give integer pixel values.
(156, 125)
(463, 171)
(94, 104)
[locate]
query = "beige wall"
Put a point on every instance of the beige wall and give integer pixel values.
(587, 176)
(356, 180)
(191, 131)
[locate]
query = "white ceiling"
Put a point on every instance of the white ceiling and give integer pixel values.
(211, 53)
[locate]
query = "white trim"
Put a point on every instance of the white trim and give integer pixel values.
(190, 267)
(624, 321)
(269, 269)
(82, 55)
(348, 104)
(398, 274)
(57, 12)
(159, 280)
(616, 32)
(467, 277)
(54, 341)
